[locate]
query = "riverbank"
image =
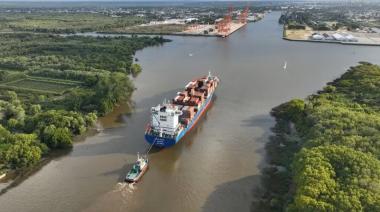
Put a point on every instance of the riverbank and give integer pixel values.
(318, 139)
(52, 98)
(198, 32)
(229, 140)
(332, 42)
(363, 39)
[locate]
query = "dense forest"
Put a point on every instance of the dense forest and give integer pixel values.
(325, 152)
(52, 88)
(67, 23)
(54, 22)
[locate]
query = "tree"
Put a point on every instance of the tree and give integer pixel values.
(11, 96)
(336, 178)
(135, 69)
(22, 154)
(338, 168)
(4, 134)
(90, 119)
(16, 112)
(290, 111)
(34, 109)
(55, 137)
(12, 124)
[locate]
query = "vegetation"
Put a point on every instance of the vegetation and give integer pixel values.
(32, 84)
(52, 88)
(319, 20)
(154, 29)
(54, 22)
(325, 155)
(333, 16)
(44, 22)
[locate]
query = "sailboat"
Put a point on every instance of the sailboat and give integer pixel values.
(285, 65)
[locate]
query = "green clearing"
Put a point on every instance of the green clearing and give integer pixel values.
(42, 85)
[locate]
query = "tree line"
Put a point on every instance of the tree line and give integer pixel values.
(325, 152)
(34, 123)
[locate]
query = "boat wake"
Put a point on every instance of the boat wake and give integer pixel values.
(124, 188)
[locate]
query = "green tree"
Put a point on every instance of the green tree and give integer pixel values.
(22, 154)
(135, 69)
(290, 111)
(55, 137)
(338, 168)
(34, 109)
(336, 178)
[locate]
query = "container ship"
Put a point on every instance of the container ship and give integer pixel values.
(172, 120)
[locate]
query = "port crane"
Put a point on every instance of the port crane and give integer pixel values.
(224, 26)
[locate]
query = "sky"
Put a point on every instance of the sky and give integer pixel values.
(181, 0)
(173, 0)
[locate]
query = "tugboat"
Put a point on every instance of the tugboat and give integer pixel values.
(138, 169)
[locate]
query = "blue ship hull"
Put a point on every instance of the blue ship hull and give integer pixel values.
(163, 142)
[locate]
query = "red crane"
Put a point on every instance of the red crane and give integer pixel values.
(225, 24)
(244, 15)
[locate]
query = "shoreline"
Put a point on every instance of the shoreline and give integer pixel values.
(13, 177)
(331, 42)
(289, 146)
(285, 37)
(105, 33)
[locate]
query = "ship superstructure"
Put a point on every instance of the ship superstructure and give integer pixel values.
(171, 120)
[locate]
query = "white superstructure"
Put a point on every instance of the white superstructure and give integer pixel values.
(165, 118)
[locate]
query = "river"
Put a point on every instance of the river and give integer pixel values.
(216, 167)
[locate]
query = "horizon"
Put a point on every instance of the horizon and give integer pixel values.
(184, 1)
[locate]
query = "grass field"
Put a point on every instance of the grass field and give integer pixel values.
(41, 85)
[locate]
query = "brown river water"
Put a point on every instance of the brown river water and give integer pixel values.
(217, 165)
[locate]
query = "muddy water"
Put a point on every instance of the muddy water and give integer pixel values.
(218, 164)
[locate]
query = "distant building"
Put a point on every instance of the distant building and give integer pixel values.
(375, 30)
(188, 20)
(351, 38)
(338, 37)
(317, 37)
(344, 37)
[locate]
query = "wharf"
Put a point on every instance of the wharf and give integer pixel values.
(210, 30)
(234, 27)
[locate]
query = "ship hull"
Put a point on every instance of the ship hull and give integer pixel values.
(162, 142)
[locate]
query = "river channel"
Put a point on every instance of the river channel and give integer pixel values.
(216, 167)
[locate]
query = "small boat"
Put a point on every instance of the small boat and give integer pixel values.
(138, 169)
(285, 65)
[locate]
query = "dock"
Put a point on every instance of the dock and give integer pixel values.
(223, 27)
(211, 30)
(234, 27)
